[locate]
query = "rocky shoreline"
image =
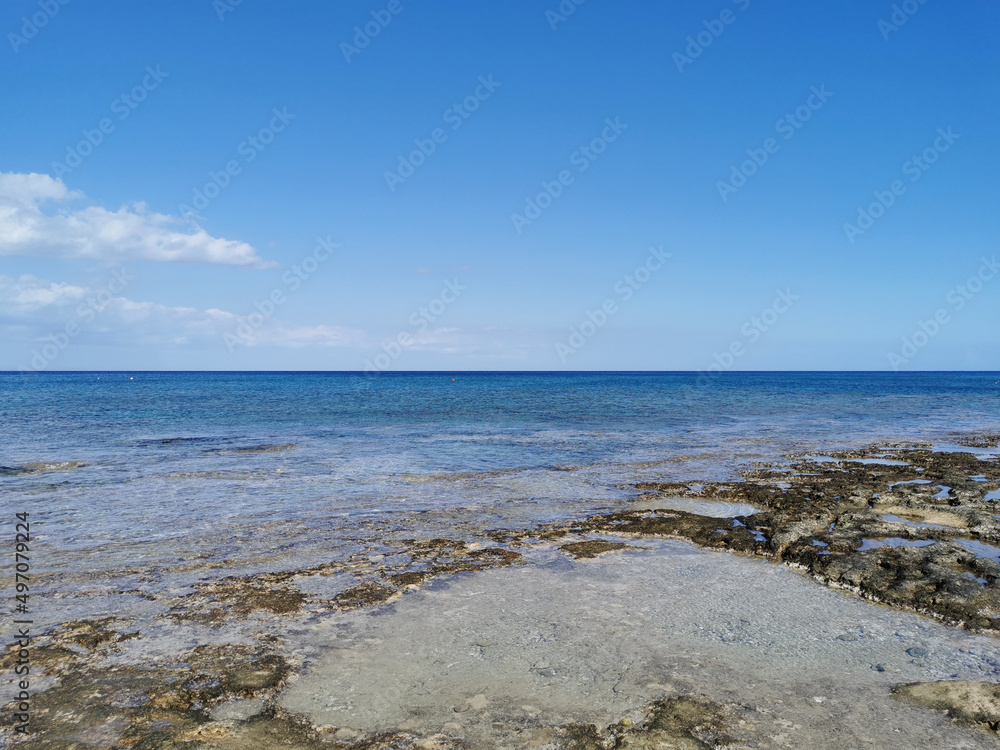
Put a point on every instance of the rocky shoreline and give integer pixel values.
(902, 525)
(878, 522)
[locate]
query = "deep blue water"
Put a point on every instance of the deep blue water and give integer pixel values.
(153, 468)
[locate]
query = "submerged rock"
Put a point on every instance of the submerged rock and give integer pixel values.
(237, 709)
(592, 548)
(685, 722)
(970, 702)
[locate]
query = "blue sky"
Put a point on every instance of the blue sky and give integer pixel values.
(653, 254)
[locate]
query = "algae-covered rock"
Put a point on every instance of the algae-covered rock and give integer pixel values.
(967, 701)
(681, 722)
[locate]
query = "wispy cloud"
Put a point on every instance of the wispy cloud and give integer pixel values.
(29, 227)
(31, 309)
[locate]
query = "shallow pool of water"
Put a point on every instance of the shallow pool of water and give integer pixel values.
(878, 461)
(894, 541)
(983, 453)
(708, 508)
(980, 549)
(496, 657)
(915, 524)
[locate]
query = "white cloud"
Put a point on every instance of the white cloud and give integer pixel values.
(130, 233)
(31, 310)
(28, 295)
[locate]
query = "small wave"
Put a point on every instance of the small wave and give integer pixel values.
(263, 448)
(40, 467)
(175, 440)
(200, 440)
(230, 475)
(457, 476)
(461, 476)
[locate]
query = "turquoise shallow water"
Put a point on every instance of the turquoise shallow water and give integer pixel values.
(156, 469)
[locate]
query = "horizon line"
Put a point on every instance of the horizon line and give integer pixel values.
(507, 372)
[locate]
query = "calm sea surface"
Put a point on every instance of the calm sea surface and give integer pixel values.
(278, 470)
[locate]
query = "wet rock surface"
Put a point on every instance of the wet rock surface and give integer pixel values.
(366, 579)
(98, 702)
(980, 440)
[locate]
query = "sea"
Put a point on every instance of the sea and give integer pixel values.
(251, 471)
